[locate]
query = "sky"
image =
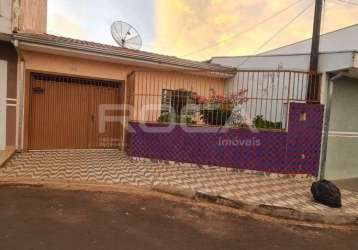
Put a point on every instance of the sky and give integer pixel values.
(199, 29)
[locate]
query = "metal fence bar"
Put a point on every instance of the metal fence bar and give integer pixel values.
(250, 98)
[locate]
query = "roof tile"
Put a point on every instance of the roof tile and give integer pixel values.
(61, 41)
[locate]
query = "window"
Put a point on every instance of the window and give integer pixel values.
(177, 102)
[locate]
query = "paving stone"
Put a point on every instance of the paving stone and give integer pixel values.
(115, 168)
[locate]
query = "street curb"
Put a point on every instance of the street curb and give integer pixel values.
(167, 189)
(260, 209)
(280, 212)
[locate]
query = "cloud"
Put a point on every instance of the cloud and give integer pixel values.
(91, 19)
(62, 25)
(179, 27)
(183, 26)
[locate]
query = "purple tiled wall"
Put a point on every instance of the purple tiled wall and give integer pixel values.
(304, 138)
(295, 151)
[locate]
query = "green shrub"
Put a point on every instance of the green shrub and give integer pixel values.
(215, 117)
(260, 122)
(171, 118)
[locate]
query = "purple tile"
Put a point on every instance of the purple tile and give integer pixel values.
(295, 151)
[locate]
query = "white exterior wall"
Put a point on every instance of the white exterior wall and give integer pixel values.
(5, 16)
(345, 39)
(290, 62)
(342, 157)
(3, 95)
(273, 90)
(268, 85)
(327, 61)
(300, 62)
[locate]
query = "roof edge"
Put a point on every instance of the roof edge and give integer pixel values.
(307, 39)
(280, 55)
(141, 56)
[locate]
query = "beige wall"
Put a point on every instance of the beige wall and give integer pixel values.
(75, 66)
(30, 16)
(5, 16)
(142, 87)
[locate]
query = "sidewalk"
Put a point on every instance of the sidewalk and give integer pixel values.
(5, 155)
(257, 192)
(349, 184)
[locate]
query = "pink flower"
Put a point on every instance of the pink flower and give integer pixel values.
(232, 99)
(201, 99)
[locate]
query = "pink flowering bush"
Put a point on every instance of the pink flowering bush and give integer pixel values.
(217, 109)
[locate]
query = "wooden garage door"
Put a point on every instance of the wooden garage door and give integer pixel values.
(64, 113)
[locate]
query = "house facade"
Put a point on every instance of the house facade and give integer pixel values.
(88, 75)
(75, 94)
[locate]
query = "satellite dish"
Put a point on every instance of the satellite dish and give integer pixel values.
(125, 35)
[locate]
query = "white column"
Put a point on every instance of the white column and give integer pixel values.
(20, 105)
(3, 95)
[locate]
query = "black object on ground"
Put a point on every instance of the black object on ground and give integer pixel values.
(326, 193)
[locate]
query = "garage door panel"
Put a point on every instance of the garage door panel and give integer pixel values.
(63, 113)
(59, 119)
(111, 137)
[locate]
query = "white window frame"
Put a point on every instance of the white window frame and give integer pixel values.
(166, 106)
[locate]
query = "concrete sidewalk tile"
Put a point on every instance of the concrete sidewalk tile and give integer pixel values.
(115, 168)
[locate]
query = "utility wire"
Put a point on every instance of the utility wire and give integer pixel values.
(348, 2)
(244, 31)
(278, 32)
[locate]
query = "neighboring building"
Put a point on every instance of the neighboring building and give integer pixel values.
(8, 81)
(23, 16)
(5, 16)
(15, 16)
(329, 42)
(8, 94)
(29, 16)
(339, 54)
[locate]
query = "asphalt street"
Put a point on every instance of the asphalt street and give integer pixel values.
(46, 219)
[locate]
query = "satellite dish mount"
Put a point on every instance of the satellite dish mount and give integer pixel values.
(125, 35)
